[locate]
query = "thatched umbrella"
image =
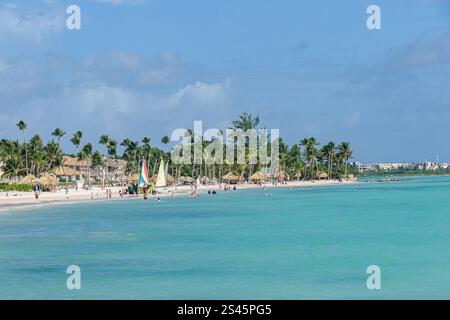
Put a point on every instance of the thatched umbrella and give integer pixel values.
(281, 176)
(29, 179)
(66, 171)
(134, 177)
(49, 180)
(185, 180)
(205, 180)
(231, 177)
(322, 175)
(258, 176)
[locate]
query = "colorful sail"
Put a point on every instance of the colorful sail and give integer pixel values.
(161, 179)
(143, 178)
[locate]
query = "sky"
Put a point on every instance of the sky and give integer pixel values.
(308, 68)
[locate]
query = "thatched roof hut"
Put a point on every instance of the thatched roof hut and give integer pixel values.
(231, 177)
(66, 172)
(185, 180)
(258, 176)
(322, 175)
(281, 176)
(29, 179)
(205, 180)
(49, 180)
(75, 162)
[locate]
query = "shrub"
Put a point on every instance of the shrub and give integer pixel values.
(5, 187)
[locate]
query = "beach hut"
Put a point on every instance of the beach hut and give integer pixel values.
(322, 175)
(29, 179)
(205, 180)
(281, 176)
(49, 180)
(231, 178)
(67, 172)
(258, 177)
(183, 180)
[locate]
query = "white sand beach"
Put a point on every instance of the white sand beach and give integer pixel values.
(18, 200)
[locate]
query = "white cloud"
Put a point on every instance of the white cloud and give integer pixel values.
(15, 24)
(121, 68)
(200, 93)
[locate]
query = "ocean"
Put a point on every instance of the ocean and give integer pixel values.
(309, 243)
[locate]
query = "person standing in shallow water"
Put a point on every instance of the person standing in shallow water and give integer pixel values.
(144, 190)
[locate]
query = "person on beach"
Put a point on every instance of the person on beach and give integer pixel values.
(144, 190)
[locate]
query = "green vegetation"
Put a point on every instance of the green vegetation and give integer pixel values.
(305, 160)
(6, 187)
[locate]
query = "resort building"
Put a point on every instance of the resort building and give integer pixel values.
(75, 167)
(363, 167)
(113, 170)
(395, 166)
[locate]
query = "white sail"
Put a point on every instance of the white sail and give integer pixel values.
(161, 179)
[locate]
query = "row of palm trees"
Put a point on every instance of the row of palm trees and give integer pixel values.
(304, 160)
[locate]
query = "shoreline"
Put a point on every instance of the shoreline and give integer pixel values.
(25, 200)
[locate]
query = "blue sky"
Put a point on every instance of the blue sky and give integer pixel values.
(310, 68)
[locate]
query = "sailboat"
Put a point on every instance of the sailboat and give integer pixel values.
(161, 180)
(143, 177)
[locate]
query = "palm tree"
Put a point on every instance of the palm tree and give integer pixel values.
(329, 150)
(104, 140)
(165, 140)
(310, 153)
(22, 127)
(112, 148)
(53, 155)
(246, 121)
(345, 153)
(37, 155)
(295, 161)
(86, 155)
(58, 134)
(76, 139)
(147, 149)
(131, 153)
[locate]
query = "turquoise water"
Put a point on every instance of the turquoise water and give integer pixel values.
(296, 244)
